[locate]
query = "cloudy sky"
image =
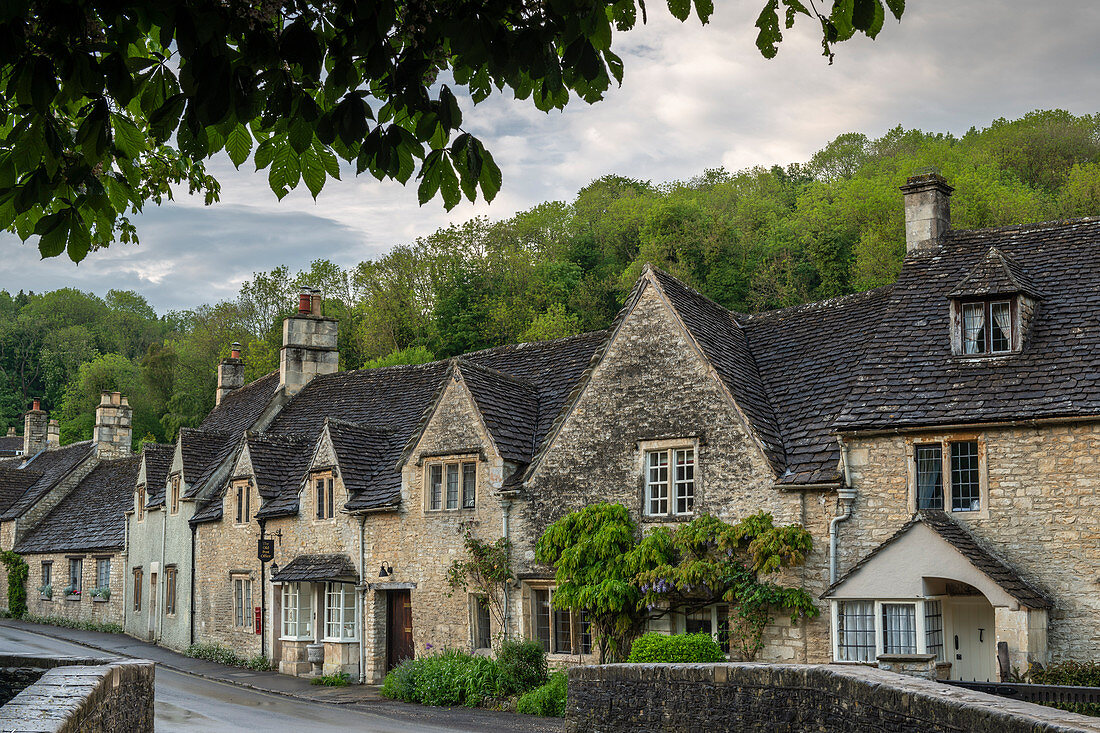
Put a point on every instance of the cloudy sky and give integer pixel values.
(693, 98)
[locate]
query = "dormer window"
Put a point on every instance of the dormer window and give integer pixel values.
(987, 327)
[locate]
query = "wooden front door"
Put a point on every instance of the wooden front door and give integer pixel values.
(399, 632)
(973, 643)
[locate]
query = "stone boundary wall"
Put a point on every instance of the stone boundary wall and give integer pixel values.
(647, 698)
(81, 694)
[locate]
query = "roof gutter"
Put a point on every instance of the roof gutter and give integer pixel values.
(1033, 423)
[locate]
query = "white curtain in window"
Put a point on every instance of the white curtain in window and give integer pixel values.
(973, 323)
(1002, 317)
(899, 628)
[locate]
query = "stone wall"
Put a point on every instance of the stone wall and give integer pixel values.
(81, 695)
(643, 698)
(83, 607)
(653, 390)
(1042, 515)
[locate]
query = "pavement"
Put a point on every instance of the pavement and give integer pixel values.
(357, 698)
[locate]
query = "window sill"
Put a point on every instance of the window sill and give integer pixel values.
(328, 640)
(668, 517)
(456, 510)
(307, 639)
(44, 598)
(72, 598)
(100, 600)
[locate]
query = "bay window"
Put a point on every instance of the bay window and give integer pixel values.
(297, 611)
(340, 622)
(864, 629)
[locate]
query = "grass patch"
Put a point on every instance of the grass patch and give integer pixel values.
(221, 655)
(547, 700)
(68, 623)
(340, 679)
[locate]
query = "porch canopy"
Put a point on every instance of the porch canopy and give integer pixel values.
(926, 557)
(317, 569)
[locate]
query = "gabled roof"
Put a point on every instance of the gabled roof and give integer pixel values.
(982, 558)
(241, 408)
(996, 274)
(808, 358)
(91, 516)
(203, 451)
(316, 568)
(508, 405)
(52, 465)
(278, 465)
(367, 457)
(726, 347)
(158, 461)
(14, 483)
(11, 445)
(910, 378)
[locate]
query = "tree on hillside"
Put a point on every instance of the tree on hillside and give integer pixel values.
(103, 106)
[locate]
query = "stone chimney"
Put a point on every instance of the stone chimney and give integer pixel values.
(230, 373)
(927, 212)
(35, 430)
(113, 432)
(309, 344)
(53, 435)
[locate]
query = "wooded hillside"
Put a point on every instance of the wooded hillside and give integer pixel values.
(752, 240)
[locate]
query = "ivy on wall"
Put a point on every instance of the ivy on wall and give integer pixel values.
(17, 582)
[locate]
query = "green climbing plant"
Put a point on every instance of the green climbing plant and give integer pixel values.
(17, 582)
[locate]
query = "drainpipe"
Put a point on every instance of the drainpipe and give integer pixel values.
(505, 506)
(125, 566)
(847, 496)
(191, 615)
(362, 602)
(160, 578)
(263, 598)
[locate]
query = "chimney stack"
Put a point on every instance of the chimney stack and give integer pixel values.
(309, 344)
(35, 430)
(113, 431)
(927, 212)
(230, 373)
(53, 435)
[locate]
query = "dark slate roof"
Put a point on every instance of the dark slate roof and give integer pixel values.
(367, 457)
(278, 462)
(808, 358)
(11, 445)
(53, 465)
(14, 483)
(996, 274)
(203, 451)
(726, 347)
(158, 461)
(510, 407)
(91, 516)
(971, 548)
(241, 408)
(910, 378)
(315, 568)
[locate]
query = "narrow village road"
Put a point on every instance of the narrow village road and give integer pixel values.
(188, 703)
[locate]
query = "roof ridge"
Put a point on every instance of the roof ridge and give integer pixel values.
(693, 291)
(813, 304)
(358, 426)
(1050, 224)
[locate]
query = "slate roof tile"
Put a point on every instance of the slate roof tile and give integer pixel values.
(91, 516)
(14, 483)
(11, 445)
(509, 406)
(203, 451)
(53, 465)
(316, 568)
(158, 461)
(972, 548)
(241, 408)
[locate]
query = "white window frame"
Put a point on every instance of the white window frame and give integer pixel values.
(242, 602)
(920, 613)
(669, 482)
(339, 605)
(713, 610)
(297, 621)
(461, 496)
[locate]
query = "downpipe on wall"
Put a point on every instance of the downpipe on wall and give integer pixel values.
(505, 507)
(847, 495)
(362, 602)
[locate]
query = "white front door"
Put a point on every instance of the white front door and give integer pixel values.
(971, 647)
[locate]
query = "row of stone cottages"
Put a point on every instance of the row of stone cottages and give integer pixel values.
(939, 438)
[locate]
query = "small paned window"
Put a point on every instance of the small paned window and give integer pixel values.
(244, 515)
(297, 611)
(856, 631)
(681, 483)
(563, 631)
(685, 481)
(103, 573)
(137, 589)
(558, 631)
(657, 482)
(242, 603)
(933, 629)
(965, 477)
(325, 502)
(47, 581)
(987, 327)
(175, 495)
(929, 476)
(340, 612)
(140, 501)
(76, 573)
(899, 628)
(585, 624)
(170, 590)
(713, 620)
(482, 623)
(540, 602)
(451, 485)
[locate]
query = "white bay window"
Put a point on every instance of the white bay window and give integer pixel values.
(864, 629)
(297, 611)
(340, 622)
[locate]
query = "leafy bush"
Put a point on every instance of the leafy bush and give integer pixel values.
(547, 701)
(340, 679)
(17, 582)
(522, 666)
(221, 655)
(449, 678)
(654, 648)
(1077, 674)
(69, 623)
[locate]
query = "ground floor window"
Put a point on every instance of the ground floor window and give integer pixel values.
(137, 589)
(76, 575)
(481, 622)
(103, 578)
(242, 603)
(713, 620)
(297, 611)
(559, 631)
(170, 590)
(340, 612)
(47, 581)
(863, 629)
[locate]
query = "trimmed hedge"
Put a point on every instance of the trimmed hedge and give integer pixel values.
(655, 648)
(547, 701)
(1077, 674)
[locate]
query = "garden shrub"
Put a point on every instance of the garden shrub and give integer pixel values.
(547, 700)
(1077, 674)
(522, 666)
(340, 679)
(221, 655)
(68, 623)
(446, 679)
(655, 648)
(17, 583)
(400, 682)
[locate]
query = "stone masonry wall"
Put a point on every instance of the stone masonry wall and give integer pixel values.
(77, 608)
(653, 386)
(644, 698)
(1042, 516)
